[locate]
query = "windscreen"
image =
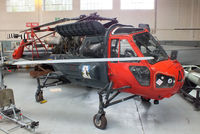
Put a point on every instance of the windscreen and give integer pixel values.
(150, 47)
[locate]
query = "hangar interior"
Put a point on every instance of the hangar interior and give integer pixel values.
(70, 108)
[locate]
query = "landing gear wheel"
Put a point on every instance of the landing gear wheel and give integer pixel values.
(39, 96)
(101, 123)
(145, 100)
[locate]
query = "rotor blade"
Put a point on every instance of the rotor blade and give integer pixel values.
(94, 16)
(187, 29)
(51, 23)
(81, 60)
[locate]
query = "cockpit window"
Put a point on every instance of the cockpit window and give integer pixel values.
(121, 48)
(150, 47)
(114, 48)
(125, 49)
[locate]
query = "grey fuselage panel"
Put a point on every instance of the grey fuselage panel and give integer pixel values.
(86, 74)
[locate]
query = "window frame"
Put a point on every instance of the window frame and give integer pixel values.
(101, 9)
(130, 46)
(154, 2)
(53, 10)
(119, 49)
(10, 4)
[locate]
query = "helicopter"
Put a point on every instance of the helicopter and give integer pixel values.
(111, 57)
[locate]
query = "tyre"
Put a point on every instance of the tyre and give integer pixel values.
(101, 123)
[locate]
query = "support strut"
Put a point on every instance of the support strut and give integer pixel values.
(40, 85)
(106, 96)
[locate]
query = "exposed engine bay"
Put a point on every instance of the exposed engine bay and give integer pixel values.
(80, 46)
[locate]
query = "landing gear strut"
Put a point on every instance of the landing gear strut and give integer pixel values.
(105, 100)
(39, 96)
(57, 80)
(39, 93)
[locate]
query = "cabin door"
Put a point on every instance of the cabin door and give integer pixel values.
(119, 72)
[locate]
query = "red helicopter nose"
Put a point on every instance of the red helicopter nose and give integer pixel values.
(168, 78)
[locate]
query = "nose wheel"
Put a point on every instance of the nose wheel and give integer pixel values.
(100, 121)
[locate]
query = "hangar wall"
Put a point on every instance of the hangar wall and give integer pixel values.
(168, 14)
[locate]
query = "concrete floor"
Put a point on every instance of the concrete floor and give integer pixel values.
(70, 109)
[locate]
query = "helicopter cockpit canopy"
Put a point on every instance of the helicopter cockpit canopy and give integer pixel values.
(150, 47)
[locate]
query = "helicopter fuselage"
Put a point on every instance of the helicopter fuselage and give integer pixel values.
(156, 79)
